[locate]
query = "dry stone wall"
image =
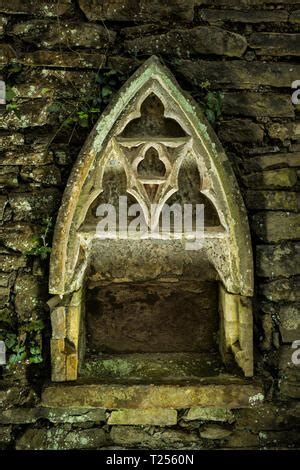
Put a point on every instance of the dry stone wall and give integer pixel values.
(62, 63)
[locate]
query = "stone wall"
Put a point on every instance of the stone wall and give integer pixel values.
(62, 62)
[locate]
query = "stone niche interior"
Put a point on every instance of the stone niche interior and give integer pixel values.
(132, 309)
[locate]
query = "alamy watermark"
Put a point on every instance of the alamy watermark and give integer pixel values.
(164, 222)
(2, 92)
(296, 354)
(296, 94)
(2, 353)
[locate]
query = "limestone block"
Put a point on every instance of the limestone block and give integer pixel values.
(27, 156)
(276, 226)
(8, 177)
(11, 139)
(199, 40)
(238, 74)
(214, 431)
(49, 34)
(19, 236)
(257, 104)
(131, 436)
(3, 23)
(63, 59)
(35, 205)
(248, 16)
(233, 395)
(31, 7)
(141, 10)
(61, 438)
(278, 260)
(282, 289)
(58, 360)
(273, 200)
(275, 44)
(48, 175)
(59, 323)
(210, 414)
(272, 179)
(240, 130)
(151, 417)
(30, 114)
(9, 262)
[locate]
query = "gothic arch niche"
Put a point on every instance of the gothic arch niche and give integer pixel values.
(154, 145)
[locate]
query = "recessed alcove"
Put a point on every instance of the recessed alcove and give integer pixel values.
(151, 306)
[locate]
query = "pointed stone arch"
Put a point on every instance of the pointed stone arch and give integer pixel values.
(181, 133)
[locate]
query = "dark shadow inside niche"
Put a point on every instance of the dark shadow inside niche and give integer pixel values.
(151, 165)
(189, 185)
(151, 317)
(114, 185)
(152, 122)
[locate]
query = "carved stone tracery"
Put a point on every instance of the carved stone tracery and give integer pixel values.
(151, 132)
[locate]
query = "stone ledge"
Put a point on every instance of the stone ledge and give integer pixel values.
(233, 394)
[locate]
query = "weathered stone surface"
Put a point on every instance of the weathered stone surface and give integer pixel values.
(289, 315)
(5, 436)
(235, 395)
(3, 23)
(4, 296)
(130, 436)
(294, 17)
(25, 415)
(280, 439)
(276, 226)
(284, 131)
(268, 416)
(199, 40)
(3, 204)
(62, 438)
(240, 130)
(6, 54)
(214, 431)
(27, 156)
(132, 10)
(48, 175)
(73, 34)
(151, 417)
(63, 59)
(72, 416)
(282, 289)
(31, 7)
(273, 200)
(34, 206)
(9, 140)
(241, 440)
(19, 416)
(19, 236)
(274, 160)
(8, 177)
(237, 74)
(275, 44)
(278, 260)
(30, 114)
(210, 414)
(12, 262)
(247, 16)
(30, 296)
(257, 104)
(272, 179)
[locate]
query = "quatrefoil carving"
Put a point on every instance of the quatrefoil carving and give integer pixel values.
(139, 149)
